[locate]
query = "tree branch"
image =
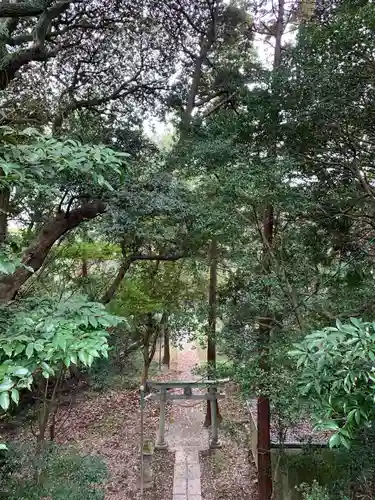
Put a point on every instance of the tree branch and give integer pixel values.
(168, 258)
(16, 61)
(125, 266)
(38, 250)
(23, 9)
(219, 105)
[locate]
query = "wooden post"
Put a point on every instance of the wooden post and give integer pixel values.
(214, 443)
(160, 442)
(147, 452)
(142, 393)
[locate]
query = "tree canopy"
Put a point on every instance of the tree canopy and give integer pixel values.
(257, 213)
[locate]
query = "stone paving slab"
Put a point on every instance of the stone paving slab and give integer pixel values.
(186, 478)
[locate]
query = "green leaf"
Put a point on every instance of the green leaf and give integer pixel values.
(38, 347)
(358, 417)
(321, 362)
(330, 425)
(19, 348)
(334, 441)
(356, 322)
(7, 348)
(62, 342)
(83, 357)
(295, 353)
(3, 446)
(20, 371)
(6, 385)
(29, 350)
(4, 400)
(301, 360)
(15, 395)
(93, 321)
(7, 267)
(345, 441)
(351, 415)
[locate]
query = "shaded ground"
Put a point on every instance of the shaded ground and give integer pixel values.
(109, 426)
(229, 474)
(302, 432)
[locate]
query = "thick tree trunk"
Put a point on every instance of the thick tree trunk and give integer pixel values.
(206, 41)
(211, 331)
(38, 250)
(263, 412)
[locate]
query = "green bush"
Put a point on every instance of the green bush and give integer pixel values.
(56, 473)
(121, 369)
(313, 491)
(343, 474)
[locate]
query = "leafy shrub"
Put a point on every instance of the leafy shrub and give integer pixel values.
(41, 339)
(337, 373)
(313, 491)
(57, 473)
(345, 474)
(121, 369)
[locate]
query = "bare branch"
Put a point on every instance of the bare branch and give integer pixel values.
(219, 104)
(167, 257)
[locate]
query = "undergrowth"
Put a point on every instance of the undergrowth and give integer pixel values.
(56, 473)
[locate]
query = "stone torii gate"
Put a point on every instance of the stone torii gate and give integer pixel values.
(163, 396)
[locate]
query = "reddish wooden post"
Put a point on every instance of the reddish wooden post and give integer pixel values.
(264, 449)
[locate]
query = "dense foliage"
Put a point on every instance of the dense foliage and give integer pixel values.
(253, 211)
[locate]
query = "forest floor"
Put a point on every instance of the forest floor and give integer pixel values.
(108, 425)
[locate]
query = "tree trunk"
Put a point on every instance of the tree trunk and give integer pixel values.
(149, 346)
(84, 269)
(123, 269)
(263, 407)
(211, 331)
(207, 39)
(146, 366)
(167, 352)
(38, 250)
(4, 209)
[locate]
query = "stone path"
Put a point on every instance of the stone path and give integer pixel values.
(186, 435)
